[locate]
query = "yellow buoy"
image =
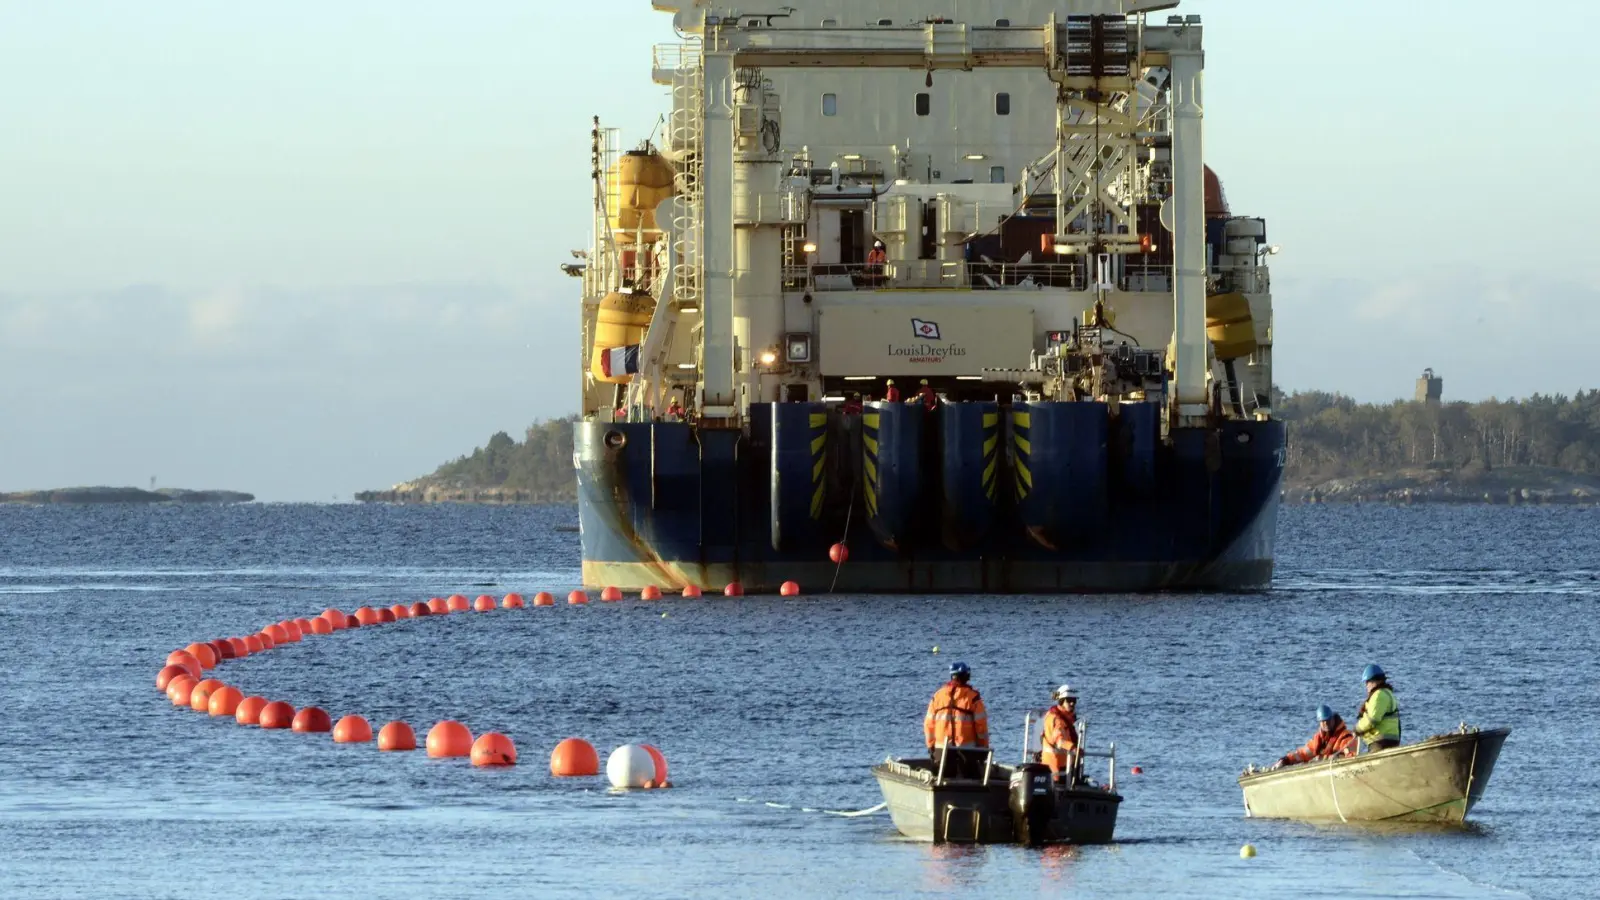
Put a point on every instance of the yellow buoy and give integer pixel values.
(936, 648)
(1247, 851)
(637, 183)
(620, 322)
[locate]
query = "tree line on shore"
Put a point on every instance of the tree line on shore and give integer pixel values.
(1330, 436)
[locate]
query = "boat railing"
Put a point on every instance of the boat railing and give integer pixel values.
(933, 275)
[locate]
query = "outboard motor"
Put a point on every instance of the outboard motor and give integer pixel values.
(1033, 803)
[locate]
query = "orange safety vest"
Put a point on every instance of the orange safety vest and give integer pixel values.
(1060, 738)
(956, 714)
(877, 257)
(1339, 742)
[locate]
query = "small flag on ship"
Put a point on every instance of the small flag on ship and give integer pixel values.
(620, 360)
(921, 329)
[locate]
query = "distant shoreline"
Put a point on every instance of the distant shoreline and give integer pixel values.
(127, 495)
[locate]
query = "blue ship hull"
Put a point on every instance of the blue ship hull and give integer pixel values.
(971, 497)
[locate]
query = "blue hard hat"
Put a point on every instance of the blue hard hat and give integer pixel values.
(960, 668)
(1324, 713)
(1372, 671)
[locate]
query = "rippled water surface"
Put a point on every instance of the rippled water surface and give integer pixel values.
(766, 709)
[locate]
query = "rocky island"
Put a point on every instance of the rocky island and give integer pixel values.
(125, 495)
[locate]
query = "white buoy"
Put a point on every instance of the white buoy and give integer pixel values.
(630, 766)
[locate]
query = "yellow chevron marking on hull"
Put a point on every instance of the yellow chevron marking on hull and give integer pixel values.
(871, 443)
(1022, 419)
(1023, 444)
(1024, 475)
(817, 443)
(818, 420)
(990, 420)
(871, 420)
(989, 444)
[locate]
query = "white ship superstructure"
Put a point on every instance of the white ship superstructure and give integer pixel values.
(802, 134)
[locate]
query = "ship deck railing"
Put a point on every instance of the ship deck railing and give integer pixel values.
(963, 275)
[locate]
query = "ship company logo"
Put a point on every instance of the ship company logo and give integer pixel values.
(923, 350)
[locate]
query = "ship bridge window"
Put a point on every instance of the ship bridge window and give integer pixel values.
(885, 22)
(1002, 104)
(830, 23)
(997, 174)
(830, 104)
(924, 104)
(1002, 23)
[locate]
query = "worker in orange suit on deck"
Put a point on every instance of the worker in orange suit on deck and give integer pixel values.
(891, 394)
(1061, 731)
(956, 721)
(927, 396)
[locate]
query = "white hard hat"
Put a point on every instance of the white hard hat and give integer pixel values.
(1065, 692)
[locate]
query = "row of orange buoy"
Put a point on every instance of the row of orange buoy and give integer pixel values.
(182, 678)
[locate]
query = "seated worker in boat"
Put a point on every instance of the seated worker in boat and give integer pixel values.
(1061, 731)
(957, 724)
(1379, 721)
(1331, 741)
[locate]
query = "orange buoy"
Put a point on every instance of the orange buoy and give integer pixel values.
(484, 603)
(351, 621)
(449, 739)
(574, 758)
(789, 589)
(494, 749)
(839, 554)
(224, 701)
(216, 647)
(691, 591)
(400, 611)
(352, 730)
(204, 653)
(267, 643)
(334, 617)
(305, 626)
(319, 625)
(611, 595)
(312, 720)
(224, 650)
(249, 710)
(240, 648)
(186, 661)
(291, 629)
(457, 603)
(276, 714)
(577, 598)
(252, 643)
(366, 615)
(200, 695)
(661, 765)
(277, 633)
(386, 615)
(180, 688)
(397, 736)
(167, 673)
(420, 609)
(650, 592)
(734, 589)
(438, 606)
(544, 598)
(513, 601)
(1138, 770)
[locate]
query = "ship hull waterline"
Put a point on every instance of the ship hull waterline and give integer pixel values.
(930, 509)
(1437, 781)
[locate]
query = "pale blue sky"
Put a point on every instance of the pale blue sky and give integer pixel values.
(308, 248)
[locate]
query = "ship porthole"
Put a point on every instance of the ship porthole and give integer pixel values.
(616, 440)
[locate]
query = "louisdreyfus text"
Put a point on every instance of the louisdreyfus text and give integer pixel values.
(927, 352)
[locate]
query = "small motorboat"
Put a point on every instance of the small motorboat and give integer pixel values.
(967, 797)
(1437, 780)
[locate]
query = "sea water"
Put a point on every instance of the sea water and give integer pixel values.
(769, 711)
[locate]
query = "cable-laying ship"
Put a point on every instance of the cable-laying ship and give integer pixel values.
(1004, 212)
